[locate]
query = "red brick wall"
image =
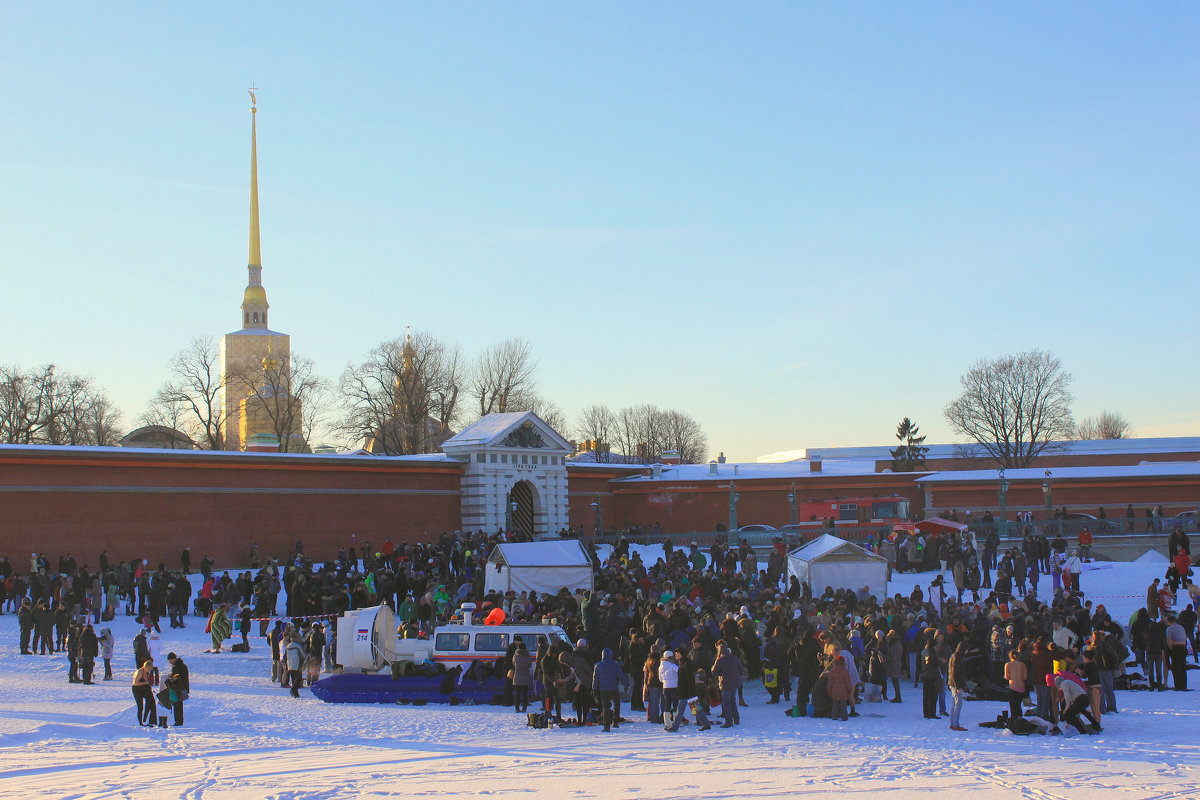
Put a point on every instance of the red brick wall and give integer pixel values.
(685, 507)
(1085, 496)
(138, 505)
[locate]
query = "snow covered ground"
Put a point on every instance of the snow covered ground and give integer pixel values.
(247, 738)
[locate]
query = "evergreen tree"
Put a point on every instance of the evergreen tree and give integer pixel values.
(910, 455)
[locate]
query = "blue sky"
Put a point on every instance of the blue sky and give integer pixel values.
(799, 222)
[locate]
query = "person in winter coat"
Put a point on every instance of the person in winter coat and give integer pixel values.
(608, 678)
(931, 679)
(89, 650)
(839, 688)
(895, 663)
(728, 671)
(668, 673)
(25, 621)
(522, 678)
(957, 679)
(652, 686)
(293, 656)
(43, 625)
(107, 643)
(179, 686)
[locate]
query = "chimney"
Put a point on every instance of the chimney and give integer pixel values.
(657, 471)
(263, 443)
(720, 458)
(712, 468)
(735, 468)
(814, 463)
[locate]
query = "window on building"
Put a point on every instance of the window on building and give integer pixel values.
(544, 460)
(480, 457)
(255, 316)
(493, 458)
(503, 458)
(524, 459)
(247, 316)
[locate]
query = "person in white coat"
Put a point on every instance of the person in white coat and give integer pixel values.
(293, 656)
(107, 643)
(668, 673)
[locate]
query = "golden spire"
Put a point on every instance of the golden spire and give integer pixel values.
(254, 299)
(255, 254)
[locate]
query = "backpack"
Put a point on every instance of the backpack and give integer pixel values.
(770, 677)
(537, 720)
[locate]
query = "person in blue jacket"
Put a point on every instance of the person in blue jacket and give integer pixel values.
(608, 678)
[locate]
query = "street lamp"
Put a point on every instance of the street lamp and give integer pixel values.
(599, 519)
(733, 501)
(1048, 491)
(509, 509)
(792, 502)
(1002, 527)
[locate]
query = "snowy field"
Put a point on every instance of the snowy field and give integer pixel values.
(248, 738)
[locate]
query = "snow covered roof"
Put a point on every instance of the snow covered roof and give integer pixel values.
(792, 470)
(1166, 444)
(487, 430)
(1157, 469)
(561, 553)
(827, 543)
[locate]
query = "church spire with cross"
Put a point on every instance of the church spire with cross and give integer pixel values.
(254, 299)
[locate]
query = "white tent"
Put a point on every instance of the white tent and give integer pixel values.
(539, 567)
(830, 561)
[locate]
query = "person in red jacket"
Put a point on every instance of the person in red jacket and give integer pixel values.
(839, 688)
(1085, 544)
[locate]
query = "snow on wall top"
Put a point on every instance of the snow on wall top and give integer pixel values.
(1171, 444)
(1160, 469)
(797, 470)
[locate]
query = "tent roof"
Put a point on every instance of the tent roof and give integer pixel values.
(940, 523)
(826, 544)
(562, 553)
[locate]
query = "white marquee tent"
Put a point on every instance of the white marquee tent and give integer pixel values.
(830, 561)
(539, 567)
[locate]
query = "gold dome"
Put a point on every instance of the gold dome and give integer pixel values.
(254, 296)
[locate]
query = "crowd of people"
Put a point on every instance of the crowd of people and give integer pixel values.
(684, 634)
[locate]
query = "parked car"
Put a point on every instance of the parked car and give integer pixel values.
(757, 529)
(1184, 519)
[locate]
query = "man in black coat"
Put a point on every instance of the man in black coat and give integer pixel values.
(178, 681)
(89, 650)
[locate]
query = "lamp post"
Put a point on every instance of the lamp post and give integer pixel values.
(599, 519)
(1048, 491)
(792, 502)
(733, 501)
(1002, 526)
(509, 508)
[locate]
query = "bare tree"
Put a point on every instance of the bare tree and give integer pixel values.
(683, 434)
(1014, 407)
(168, 410)
(190, 400)
(404, 396)
(645, 432)
(47, 406)
(1109, 425)
(281, 392)
(599, 424)
(502, 378)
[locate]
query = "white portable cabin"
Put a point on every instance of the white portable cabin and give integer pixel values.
(830, 561)
(538, 567)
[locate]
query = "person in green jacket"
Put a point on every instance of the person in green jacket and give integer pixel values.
(219, 627)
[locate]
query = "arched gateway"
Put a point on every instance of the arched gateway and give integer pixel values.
(516, 474)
